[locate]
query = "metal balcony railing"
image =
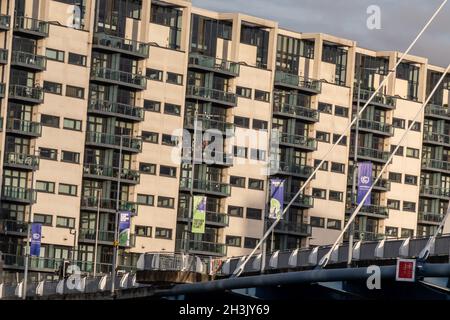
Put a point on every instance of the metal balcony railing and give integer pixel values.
(295, 111)
(215, 187)
(367, 235)
(31, 94)
(218, 96)
(19, 194)
(438, 111)
(381, 184)
(127, 46)
(13, 226)
(434, 137)
(211, 157)
(215, 64)
(302, 200)
(283, 167)
(298, 141)
(379, 127)
(435, 164)
(212, 248)
(5, 22)
(103, 236)
(24, 127)
(119, 77)
(32, 26)
(212, 217)
(379, 99)
(2, 90)
(30, 60)
(429, 217)
(436, 191)
(292, 227)
(205, 122)
(111, 172)
(375, 210)
(374, 154)
(91, 203)
(116, 109)
(128, 142)
(293, 80)
(21, 160)
(4, 56)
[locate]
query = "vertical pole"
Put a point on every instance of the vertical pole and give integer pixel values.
(74, 245)
(96, 232)
(27, 248)
(191, 198)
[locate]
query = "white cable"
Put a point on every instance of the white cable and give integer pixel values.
(239, 270)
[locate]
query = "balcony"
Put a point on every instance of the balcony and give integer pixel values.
(2, 90)
(370, 154)
(201, 247)
(211, 64)
(104, 237)
(375, 127)
(366, 235)
(95, 171)
(213, 218)
(128, 47)
(13, 227)
(105, 140)
(33, 95)
(31, 27)
(117, 77)
(436, 138)
(215, 188)
(107, 205)
(380, 100)
(429, 218)
(297, 82)
(436, 111)
(374, 211)
(3, 56)
(382, 184)
(22, 127)
(435, 192)
(296, 141)
(215, 158)
(21, 195)
(21, 161)
(29, 61)
(210, 122)
(5, 22)
(292, 228)
(285, 168)
(115, 109)
(303, 200)
(287, 110)
(435, 165)
(227, 99)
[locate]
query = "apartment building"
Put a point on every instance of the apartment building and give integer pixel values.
(112, 105)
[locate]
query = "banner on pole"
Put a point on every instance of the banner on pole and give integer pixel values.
(199, 215)
(124, 228)
(364, 181)
(36, 236)
(276, 198)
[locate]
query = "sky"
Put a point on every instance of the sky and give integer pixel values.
(401, 21)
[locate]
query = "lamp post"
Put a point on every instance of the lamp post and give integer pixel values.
(97, 221)
(74, 233)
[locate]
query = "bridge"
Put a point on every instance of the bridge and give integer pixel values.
(286, 274)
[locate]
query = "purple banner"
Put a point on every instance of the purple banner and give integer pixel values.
(364, 181)
(276, 198)
(36, 235)
(124, 228)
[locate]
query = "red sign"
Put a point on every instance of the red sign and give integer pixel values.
(406, 270)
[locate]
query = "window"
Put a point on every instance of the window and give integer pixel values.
(45, 186)
(145, 199)
(325, 108)
(341, 111)
(48, 154)
(75, 92)
(412, 153)
(69, 156)
(233, 241)
(151, 137)
(391, 232)
(242, 122)
(166, 202)
(143, 231)
(49, 121)
(319, 193)
(250, 243)
(324, 166)
(407, 233)
(163, 233)
(55, 55)
(409, 206)
(67, 189)
(343, 141)
(174, 78)
(169, 140)
(44, 219)
(65, 222)
(153, 74)
(334, 224)
(52, 87)
(71, 124)
(255, 214)
(337, 167)
(77, 59)
(393, 204)
(152, 106)
(147, 168)
(234, 211)
(395, 177)
(237, 181)
(172, 109)
(255, 184)
(336, 196)
(262, 96)
(240, 152)
(167, 171)
(322, 136)
(398, 123)
(400, 151)
(260, 125)
(244, 92)
(317, 222)
(409, 179)
(415, 127)
(257, 154)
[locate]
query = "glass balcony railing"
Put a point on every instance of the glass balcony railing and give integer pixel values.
(302, 83)
(207, 186)
(295, 111)
(25, 93)
(207, 122)
(433, 110)
(5, 22)
(377, 127)
(434, 164)
(90, 235)
(438, 138)
(214, 64)
(435, 191)
(287, 168)
(24, 127)
(204, 247)
(126, 175)
(19, 194)
(372, 154)
(116, 109)
(29, 60)
(3, 56)
(429, 217)
(302, 200)
(92, 203)
(213, 95)
(119, 77)
(212, 217)
(8, 226)
(31, 26)
(114, 141)
(21, 160)
(298, 141)
(117, 44)
(380, 99)
(377, 211)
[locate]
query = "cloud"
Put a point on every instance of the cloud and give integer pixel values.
(401, 21)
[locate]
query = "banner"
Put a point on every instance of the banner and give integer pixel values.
(36, 235)
(124, 229)
(199, 216)
(276, 198)
(364, 181)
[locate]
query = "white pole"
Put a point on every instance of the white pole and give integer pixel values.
(96, 232)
